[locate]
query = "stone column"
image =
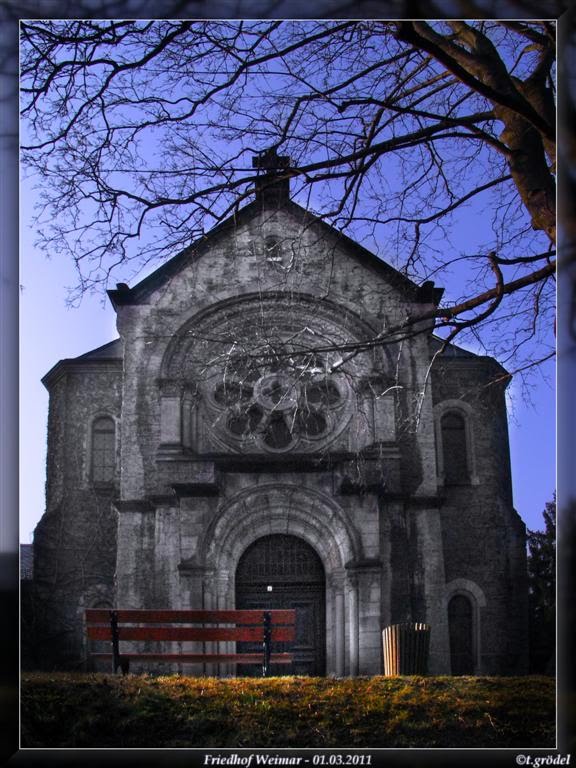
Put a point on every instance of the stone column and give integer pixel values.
(135, 554)
(431, 555)
(340, 633)
(353, 626)
(192, 598)
(209, 603)
(167, 553)
(134, 558)
(335, 624)
(224, 601)
(188, 407)
(397, 563)
(376, 413)
(170, 418)
(191, 595)
(384, 417)
(367, 577)
(131, 322)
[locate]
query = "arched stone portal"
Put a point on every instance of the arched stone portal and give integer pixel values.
(280, 571)
(315, 519)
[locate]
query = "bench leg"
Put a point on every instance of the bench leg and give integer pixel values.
(266, 644)
(117, 660)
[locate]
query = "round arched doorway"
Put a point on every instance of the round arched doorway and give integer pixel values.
(280, 571)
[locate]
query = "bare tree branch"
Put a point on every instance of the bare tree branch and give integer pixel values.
(142, 133)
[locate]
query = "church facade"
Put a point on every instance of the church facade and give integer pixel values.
(262, 435)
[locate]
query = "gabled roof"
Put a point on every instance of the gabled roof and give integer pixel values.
(111, 353)
(459, 356)
(142, 290)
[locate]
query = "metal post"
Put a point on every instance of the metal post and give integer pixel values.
(266, 643)
(115, 641)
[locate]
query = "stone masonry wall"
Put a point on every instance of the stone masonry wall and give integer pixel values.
(75, 540)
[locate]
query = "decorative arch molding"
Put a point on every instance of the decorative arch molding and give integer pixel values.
(466, 411)
(323, 309)
(280, 508)
(465, 586)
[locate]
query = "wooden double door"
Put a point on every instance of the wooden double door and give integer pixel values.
(280, 571)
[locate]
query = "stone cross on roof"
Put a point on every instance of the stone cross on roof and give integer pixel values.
(270, 160)
(273, 186)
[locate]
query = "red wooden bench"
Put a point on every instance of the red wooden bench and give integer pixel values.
(252, 626)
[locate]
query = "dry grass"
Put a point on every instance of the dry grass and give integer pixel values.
(98, 710)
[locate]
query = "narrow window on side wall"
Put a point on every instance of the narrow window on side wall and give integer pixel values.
(454, 447)
(103, 450)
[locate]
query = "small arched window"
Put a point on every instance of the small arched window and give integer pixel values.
(103, 450)
(461, 631)
(273, 250)
(454, 449)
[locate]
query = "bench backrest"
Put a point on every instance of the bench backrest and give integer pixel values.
(181, 625)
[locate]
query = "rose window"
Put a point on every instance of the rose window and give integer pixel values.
(281, 408)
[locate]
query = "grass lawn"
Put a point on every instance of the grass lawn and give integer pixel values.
(99, 710)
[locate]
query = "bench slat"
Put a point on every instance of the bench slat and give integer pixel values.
(204, 658)
(253, 626)
(152, 616)
(247, 634)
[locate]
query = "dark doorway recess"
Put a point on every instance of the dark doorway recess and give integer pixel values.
(461, 626)
(281, 571)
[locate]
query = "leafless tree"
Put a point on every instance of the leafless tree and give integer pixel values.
(142, 134)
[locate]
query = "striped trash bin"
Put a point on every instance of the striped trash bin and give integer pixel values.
(406, 648)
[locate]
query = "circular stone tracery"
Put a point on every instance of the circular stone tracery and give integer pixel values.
(266, 374)
(279, 409)
(277, 391)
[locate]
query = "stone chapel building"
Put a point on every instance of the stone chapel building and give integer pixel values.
(246, 443)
